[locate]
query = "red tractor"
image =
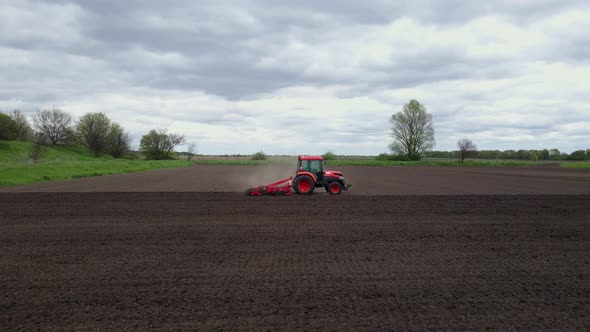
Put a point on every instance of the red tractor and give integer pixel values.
(309, 175)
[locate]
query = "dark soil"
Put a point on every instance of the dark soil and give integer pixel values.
(220, 261)
(402, 180)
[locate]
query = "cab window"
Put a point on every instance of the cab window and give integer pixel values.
(315, 166)
(305, 165)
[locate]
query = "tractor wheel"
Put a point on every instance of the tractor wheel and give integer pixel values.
(335, 188)
(303, 185)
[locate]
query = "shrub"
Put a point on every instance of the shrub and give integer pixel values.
(383, 157)
(37, 149)
(259, 156)
(329, 156)
(93, 131)
(133, 155)
(159, 145)
(119, 142)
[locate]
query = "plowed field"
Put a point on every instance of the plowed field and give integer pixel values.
(469, 248)
(222, 261)
(402, 180)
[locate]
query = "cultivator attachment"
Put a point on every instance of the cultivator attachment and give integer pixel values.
(282, 187)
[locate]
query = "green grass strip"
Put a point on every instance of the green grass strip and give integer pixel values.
(576, 164)
(428, 163)
(23, 174)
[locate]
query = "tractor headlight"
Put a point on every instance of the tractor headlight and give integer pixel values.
(342, 178)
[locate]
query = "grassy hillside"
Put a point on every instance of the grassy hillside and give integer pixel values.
(65, 162)
(13, 152)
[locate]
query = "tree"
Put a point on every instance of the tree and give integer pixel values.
(489, 154)
(192, 148)
(412, 131)
(93, 130)
(509, 154)
(554, 154)
(54, 123)
(24, 132)
(118, 141)
(466, 148)
(158, 144)
(522, 154)
(175, 139)
(7, 128)
(577, 155)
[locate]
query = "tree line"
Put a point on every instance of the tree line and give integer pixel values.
(413, 138)
(544, 154)
(96, 131)
(412, 132)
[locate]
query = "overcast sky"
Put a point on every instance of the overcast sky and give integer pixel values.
(304, 77)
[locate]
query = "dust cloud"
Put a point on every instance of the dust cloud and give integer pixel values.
(249, 177)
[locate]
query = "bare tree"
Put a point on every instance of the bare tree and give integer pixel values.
(54, 123)
(173, 140)
(466, 148)
(119, 142)
(176, 138)
(192, 148)
(158, 144)
(92, 130)
(37, 148)
(412, 131)
(23, 129)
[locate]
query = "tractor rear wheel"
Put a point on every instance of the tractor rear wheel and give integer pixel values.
(303, 185)
(335, 188)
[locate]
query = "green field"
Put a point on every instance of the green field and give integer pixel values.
(21, 174)
(368, 162)
(576, 164)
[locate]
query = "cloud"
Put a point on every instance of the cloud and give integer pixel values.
(310, 76)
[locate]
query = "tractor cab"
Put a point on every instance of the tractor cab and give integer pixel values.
(313, 165)
(310, 174)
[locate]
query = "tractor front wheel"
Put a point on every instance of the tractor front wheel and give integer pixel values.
(335, 188)
(303, 185)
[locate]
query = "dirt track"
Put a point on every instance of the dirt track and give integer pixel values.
(172, 261)
(366, 180)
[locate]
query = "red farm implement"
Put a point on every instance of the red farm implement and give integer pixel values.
(282, 187)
